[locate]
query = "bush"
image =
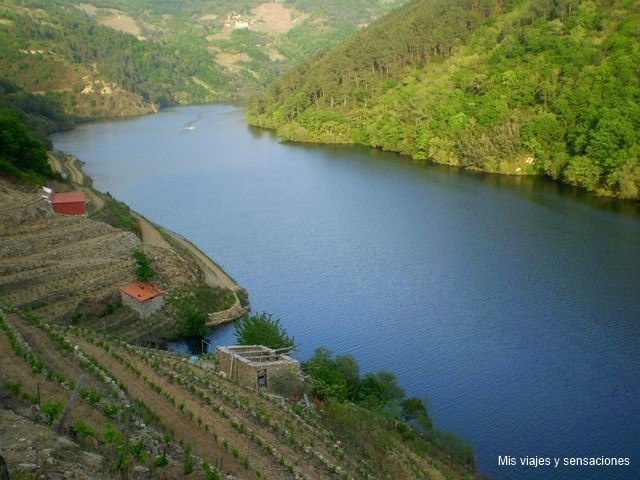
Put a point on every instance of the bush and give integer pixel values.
(161, 460)
(112, 434)
(118, 215)
(14, 386)
(52, 411)
(144, 270)
(81, 429)
(138, 450)
(205, 298)
(261, 329)
(188, 461)
(210, 473)
(287, 384)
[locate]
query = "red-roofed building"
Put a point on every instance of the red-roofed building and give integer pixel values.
(71, 203)
(143, 298)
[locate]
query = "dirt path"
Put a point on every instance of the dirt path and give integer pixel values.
(70, 167)
(214, 275)
(150, 233)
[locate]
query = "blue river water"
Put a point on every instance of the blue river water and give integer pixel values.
(511, 304)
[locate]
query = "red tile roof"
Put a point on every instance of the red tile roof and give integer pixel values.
(141, 291)
(70, 197)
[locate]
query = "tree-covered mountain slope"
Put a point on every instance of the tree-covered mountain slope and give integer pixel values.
(126, 57)
(548, 87)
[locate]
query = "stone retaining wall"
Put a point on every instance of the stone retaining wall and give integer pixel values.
(228, 315)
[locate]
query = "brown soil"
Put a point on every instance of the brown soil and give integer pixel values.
(63, 362)
(14, 368)
(33, 450)
(275, 17)
(202, 442)
(54, 261)
(112, 17)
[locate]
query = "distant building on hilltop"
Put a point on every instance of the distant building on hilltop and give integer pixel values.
(70, 203)
(143, 298)
(253, 365)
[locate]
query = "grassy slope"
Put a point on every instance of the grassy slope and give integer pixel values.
(515, 87)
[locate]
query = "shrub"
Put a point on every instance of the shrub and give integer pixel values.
(94, 397)
(52, 411)
(287, 384)
(144, 270)
(138, 450)
(111, 434)
(210, 473)
(14, 386)
(161, 460)
(188, 461)
(81, 429)
(194, 321)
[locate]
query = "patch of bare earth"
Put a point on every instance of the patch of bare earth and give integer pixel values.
(275, 17)
(230, 60)
(112, 17)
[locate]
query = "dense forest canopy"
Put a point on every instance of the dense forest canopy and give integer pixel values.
(546, 87)
(22, 156)
(124, 57)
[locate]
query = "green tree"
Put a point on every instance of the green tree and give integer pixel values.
(379, 390)
(262, 329)
(144, 270)
(194, 320)
(21, 155)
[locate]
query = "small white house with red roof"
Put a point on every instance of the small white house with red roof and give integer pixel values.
(143, 298)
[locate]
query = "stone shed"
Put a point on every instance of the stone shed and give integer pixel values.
(143, 298)
(253, 365)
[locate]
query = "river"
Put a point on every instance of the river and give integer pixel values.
(511, 304)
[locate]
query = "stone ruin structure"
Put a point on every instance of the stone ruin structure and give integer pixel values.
(254, 365)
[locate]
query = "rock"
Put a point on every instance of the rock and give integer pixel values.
(140, 470)
(27, 467)
(65, 443)
(92, 460)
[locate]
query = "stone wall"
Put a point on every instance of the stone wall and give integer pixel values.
(246, 372)
(144, 309)
(228, 315)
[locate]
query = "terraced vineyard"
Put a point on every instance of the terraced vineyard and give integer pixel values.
(69, 269)
(51, 262)
(147, 412)
(218, 424)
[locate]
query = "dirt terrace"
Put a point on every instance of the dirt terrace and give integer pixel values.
(56, 260)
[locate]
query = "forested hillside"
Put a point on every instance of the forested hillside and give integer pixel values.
(548, 87)
(118, 57)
